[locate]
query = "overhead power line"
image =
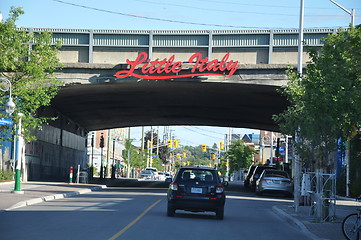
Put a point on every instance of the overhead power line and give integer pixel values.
(201, 133)
(270, 13)
(262, 5)
(153, 18)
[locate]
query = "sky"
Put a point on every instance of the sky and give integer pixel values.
(183, 15)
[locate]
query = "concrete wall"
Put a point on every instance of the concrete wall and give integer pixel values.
(243, 55)
(115, 55)
(50, 157)
(288, 56)
(74, 54)
(181, 54)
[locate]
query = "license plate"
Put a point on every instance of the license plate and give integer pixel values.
(196, 190)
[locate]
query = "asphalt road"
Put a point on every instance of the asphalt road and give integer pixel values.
(140, 213)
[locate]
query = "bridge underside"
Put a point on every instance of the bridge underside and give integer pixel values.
(158, 103)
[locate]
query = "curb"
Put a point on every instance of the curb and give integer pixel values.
(345, 198)
(295, 222)
(52, 197)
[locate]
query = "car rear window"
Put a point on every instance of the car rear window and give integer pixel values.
(276, 174)
(198, 175)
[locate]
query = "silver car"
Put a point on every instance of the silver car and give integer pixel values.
(146, 175)
(274, 181)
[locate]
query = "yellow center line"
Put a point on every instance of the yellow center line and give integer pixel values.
(134, 221)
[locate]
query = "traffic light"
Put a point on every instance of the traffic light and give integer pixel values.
(175, 144)
(101, 144)
(150, 144)
(277, 153)
(184, 154)
(204, 148)
(221, 145)
(213, 156)
(169, 143)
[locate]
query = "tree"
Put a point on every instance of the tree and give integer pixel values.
(325, 104)
(137, 159)
(239, 156)
(28, 60)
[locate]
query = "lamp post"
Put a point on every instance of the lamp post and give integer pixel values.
(9, 105)
(296, 160)
(9, 108)
(347, 157)
(351, 13)
(19, 149)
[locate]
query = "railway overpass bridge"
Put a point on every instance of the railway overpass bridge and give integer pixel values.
(104, 90)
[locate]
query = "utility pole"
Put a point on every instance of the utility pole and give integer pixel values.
(151, 147)
(158, 141)
(142, 138)
(296, 159)
(271, 151)
(128, 157)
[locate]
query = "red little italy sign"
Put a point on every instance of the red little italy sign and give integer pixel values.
(201, 67)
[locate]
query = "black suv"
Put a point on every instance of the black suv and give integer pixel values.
(196, 189)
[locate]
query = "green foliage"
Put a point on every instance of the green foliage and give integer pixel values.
(325, 105)
(239, 156)
(196, 157)
(6, 175)
(137, 157)
(28, 61)
(157, 163)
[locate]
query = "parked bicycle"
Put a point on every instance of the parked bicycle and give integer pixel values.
(351, 225)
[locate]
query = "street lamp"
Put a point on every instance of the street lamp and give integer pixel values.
(9, 105)
(347, 157)
(351, 13)
(19, 150)
(9, 108)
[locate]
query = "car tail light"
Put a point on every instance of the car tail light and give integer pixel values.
(286, 181)
(173, 186)
(219, 189)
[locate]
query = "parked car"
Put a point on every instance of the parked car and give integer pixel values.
(161, 176)
(272, 180)
(155, 172)
(256, 174)
(248, 176)
(168, 177)
(146, 175)
(196, 189)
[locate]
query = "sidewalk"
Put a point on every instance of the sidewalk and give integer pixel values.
(317, 230)
(36, 192)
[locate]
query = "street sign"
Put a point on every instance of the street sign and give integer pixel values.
(4, 121)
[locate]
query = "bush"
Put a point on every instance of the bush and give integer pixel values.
(6, 175)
